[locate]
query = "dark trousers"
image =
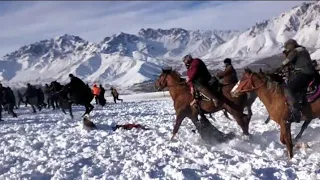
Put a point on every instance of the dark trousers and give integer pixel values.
(299, 82)
(205, 88)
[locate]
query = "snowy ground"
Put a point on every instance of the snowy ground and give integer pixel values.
(49, 145)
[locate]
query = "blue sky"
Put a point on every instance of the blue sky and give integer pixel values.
(26, 22)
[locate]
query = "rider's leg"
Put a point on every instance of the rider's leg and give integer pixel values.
(204, 88)
(295, 86)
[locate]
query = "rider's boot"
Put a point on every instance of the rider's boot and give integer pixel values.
(294, 107)
(206, 91)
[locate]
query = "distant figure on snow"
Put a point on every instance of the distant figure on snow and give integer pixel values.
(115, 95)
(101, 99)
(96, 93)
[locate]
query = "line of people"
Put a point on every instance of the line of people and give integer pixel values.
(98, 93)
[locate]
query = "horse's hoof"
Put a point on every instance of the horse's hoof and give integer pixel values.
(246, 137)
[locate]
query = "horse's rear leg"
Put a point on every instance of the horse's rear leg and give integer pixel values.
(33, 109)
(267, 120)
(225, 113)
(89, 108)
(10, 108)
(1, 113)
(303, 128)
(243, 121)
(70, 110)
(63, 110)
(249, 111)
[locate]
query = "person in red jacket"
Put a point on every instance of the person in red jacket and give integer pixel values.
(199, 77)
(96, 93)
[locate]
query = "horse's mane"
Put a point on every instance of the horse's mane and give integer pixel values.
(176, 74)
(274, 81)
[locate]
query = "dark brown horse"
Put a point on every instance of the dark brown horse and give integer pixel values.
(271, 93)
(180, 93)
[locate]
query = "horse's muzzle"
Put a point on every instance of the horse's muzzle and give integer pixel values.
(234, 94)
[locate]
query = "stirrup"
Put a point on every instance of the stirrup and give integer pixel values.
(293, 117)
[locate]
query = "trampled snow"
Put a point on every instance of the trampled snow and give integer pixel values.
(49, 145)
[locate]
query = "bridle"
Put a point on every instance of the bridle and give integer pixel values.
(163, 82)
(249, 80)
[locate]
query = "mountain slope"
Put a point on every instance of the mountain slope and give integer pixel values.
(266, 38)
(122, 59)
(126, 59)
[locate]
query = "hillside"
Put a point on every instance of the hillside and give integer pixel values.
(124, 60)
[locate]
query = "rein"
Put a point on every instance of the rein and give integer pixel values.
(253, 87)
(165, 79)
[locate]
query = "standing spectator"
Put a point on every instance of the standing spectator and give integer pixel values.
(96, 92)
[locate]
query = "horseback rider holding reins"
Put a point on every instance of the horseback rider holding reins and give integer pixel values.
(303, 72)
(199, 77)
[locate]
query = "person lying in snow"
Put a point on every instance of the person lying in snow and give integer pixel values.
(129, 127)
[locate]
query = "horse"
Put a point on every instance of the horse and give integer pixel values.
(60, 96)
(35, 99)
(271, 93)
(20, 99)
(182, 97)
(66, 103)
(41, 97)
(7, 101)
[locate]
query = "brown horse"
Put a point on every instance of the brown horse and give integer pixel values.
(180, 93)
(271, 93)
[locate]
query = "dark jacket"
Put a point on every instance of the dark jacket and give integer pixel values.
(47, 91)
(77, 85)
(198, 72)
(7, 96)
(40, 94)
(102, 91)
(31, 92)
(114, 92)
(229, 75)
(301, 61)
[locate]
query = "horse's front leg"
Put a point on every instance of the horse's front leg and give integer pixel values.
(179, 118)
(285, 138)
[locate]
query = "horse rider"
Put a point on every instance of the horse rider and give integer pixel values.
(303, 73)
(76, 87)
(199, 77)
(229, 75)
(30, 92)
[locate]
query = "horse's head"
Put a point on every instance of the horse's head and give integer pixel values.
(168, 78)
(250, 81)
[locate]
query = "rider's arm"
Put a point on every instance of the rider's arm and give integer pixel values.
(291, 58)
(193, 70)
(226, 72)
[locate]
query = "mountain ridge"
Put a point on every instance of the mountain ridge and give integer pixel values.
(125, 59)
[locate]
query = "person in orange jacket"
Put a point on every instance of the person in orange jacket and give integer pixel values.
(96, 92)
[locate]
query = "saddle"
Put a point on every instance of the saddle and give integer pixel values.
(214, 85)
(310, 93)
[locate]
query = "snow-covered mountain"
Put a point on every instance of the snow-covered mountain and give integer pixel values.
(126, 59)
(266, 38)
(121, 60)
